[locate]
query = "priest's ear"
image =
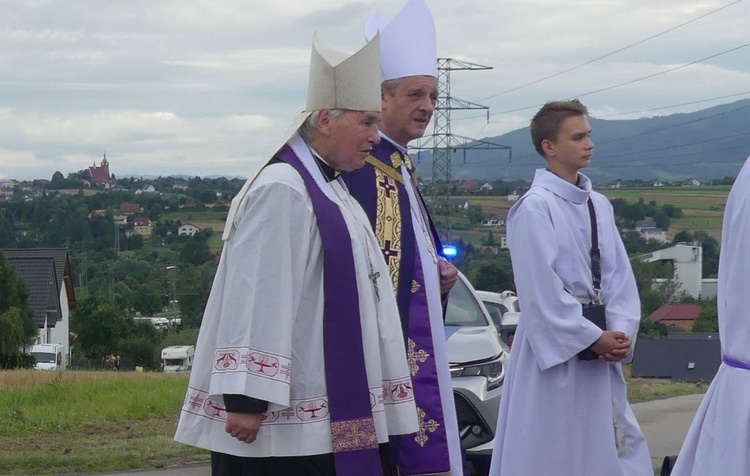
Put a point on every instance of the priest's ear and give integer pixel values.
(323, 121)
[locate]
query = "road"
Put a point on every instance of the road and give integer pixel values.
(664, 422)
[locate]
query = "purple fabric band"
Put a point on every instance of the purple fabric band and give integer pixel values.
(735, 363)
(425, 452)
(355, 443)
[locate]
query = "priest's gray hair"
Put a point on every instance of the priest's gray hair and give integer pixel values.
(390, 85)
(310, 124)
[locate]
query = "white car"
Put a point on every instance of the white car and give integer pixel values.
(477, 359)
(504, 311)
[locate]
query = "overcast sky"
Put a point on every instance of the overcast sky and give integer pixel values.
(190, 87)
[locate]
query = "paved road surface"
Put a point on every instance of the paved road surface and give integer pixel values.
(664, 422)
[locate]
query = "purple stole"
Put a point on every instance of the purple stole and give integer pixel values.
(424, 452)
(355, 443)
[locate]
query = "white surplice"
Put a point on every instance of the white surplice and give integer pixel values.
(718, 441)
(560, 415)
(262, 331)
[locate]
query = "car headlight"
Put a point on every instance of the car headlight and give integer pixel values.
(492, 370)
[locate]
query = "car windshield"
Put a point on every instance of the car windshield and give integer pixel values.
(45, 357)
(464, 307)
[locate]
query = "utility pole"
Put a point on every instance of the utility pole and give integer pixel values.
(442, 142)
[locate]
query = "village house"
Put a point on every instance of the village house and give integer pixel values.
(49, 280)
(188, 229)
(142, 226)
(469, 186)
(677, 315)
(494, 221)
(129, 208)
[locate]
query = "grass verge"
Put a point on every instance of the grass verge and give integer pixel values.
(53, 423)
(76, 421)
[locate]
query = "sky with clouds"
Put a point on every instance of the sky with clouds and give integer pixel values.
(190, 87)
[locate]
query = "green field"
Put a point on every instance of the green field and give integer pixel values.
(77, 421)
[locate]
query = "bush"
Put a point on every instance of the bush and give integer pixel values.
(17, 361)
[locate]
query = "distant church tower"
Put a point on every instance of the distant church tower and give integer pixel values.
(100, 174)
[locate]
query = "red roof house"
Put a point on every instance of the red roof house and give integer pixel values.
(677, 315)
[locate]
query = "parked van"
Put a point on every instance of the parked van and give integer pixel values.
(178, 358)
(49, 356)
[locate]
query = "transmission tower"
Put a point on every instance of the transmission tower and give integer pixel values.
(442, 142)
(117, 238)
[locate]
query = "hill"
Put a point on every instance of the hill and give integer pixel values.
(706, 144)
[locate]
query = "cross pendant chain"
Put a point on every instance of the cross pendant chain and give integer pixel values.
(374, 275)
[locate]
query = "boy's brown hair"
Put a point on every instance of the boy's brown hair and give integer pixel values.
(546, 123)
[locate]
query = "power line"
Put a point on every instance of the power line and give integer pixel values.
(674, 126)
(674, 105)
(611, 53)
(662, 72)
(649, 76)
(678, 146)
(642, 162)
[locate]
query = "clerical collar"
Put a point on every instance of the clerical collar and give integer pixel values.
(401, 149)
(329, 173)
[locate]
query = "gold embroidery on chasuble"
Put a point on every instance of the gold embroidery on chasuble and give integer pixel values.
(396, 160)
(415, 285)
(388, 223)
(353, 435)
(415, 357)
(424, 426)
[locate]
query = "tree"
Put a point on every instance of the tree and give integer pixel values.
(475, 214)
(194, 252)
(194, 287)
(100, 325)
(708, 319)
(493, 276)
(17, 326)
(662, 220)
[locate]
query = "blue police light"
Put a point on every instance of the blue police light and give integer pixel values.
(450, 251)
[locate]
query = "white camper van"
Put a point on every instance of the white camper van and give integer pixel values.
(49, 356)
(178, 358)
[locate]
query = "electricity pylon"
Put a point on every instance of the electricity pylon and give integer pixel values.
(442, 142)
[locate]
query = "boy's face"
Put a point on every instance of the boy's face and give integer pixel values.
(572, 149)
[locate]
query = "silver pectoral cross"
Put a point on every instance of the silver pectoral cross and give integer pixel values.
(374, 275)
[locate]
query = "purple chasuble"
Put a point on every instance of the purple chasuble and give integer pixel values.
(424, 452)
(355, 442)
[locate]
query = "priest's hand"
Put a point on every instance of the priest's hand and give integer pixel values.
(612, 346)
(448, 276)
(243, 426)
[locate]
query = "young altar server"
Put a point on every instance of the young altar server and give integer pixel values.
(562, 413)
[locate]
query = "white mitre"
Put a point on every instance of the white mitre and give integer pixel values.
(337, 80)
(407, 43)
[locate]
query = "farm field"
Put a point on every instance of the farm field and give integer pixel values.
(702, 207)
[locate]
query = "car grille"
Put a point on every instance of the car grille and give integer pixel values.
(472, 428)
